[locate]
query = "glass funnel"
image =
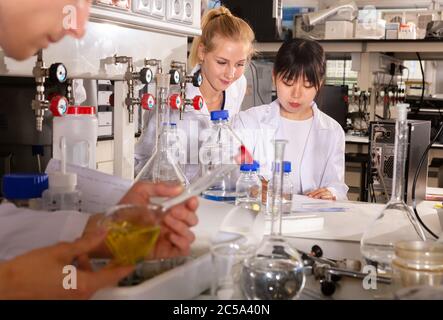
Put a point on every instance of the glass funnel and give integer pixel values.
(164, 164)
(275, 272)
(396, 221)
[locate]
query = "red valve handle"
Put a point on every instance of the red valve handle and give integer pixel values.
(58, 105)
(198, 102)
(148, 101)
(175, 101)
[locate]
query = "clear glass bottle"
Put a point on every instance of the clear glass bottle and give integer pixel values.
(396, 222)
(164, 166)
(220, 148)
(248, 188)
(276, 271)
(288, 190)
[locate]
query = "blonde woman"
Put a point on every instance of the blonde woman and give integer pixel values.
(221, 54)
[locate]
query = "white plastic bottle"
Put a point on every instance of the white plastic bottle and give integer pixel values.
(79, 126)
(248, 188)
(62, 193)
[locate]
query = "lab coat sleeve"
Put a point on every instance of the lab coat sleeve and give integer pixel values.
(145, 145)
(335, 167)
(22, 230)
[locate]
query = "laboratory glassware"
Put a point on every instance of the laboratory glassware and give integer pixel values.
(219, 148)
(288, 190)
(164, 166)
(248, 187)
(276, 271)
(132, 232)
(396, 222)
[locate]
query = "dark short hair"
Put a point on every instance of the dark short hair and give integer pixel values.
(301, 58)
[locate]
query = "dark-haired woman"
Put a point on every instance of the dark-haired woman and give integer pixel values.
(316, 142)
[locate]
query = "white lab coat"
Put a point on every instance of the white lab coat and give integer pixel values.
(323, 162)
(190, 128)
(22, 230)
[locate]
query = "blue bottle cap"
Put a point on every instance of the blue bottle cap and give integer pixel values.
(219, 115)
(24, 186)
(287, 166)
(250, 166)
(247, 167)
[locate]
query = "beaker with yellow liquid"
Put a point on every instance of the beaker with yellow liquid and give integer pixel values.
(133, 232)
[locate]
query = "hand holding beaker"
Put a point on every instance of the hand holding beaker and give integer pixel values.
(175, 237)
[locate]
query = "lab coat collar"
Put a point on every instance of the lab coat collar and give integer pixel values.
(273, 117)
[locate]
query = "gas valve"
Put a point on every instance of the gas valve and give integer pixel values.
(175, 101)
(197, 102)
(175, 76)
(148, 101)
(58, 105)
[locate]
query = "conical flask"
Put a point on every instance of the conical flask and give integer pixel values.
(164, 165)
(276, 270)
(396, 222)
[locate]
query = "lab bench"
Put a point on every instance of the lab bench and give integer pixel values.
(338, 235)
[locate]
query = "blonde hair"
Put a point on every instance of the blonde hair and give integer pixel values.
(220, 21)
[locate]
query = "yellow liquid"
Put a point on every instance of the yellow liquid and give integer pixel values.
(131, 243)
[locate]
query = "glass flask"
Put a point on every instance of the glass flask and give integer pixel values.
(396, 222)
(275, 272)
(133, 231)
(164, 165)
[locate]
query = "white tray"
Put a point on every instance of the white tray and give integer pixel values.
(219, 222)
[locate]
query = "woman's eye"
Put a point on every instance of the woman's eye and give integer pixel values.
(221, 62)
(240, 65)
(308, 85)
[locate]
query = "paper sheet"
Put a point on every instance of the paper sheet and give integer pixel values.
(295, 224)
(100, 191)
(305, 204)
